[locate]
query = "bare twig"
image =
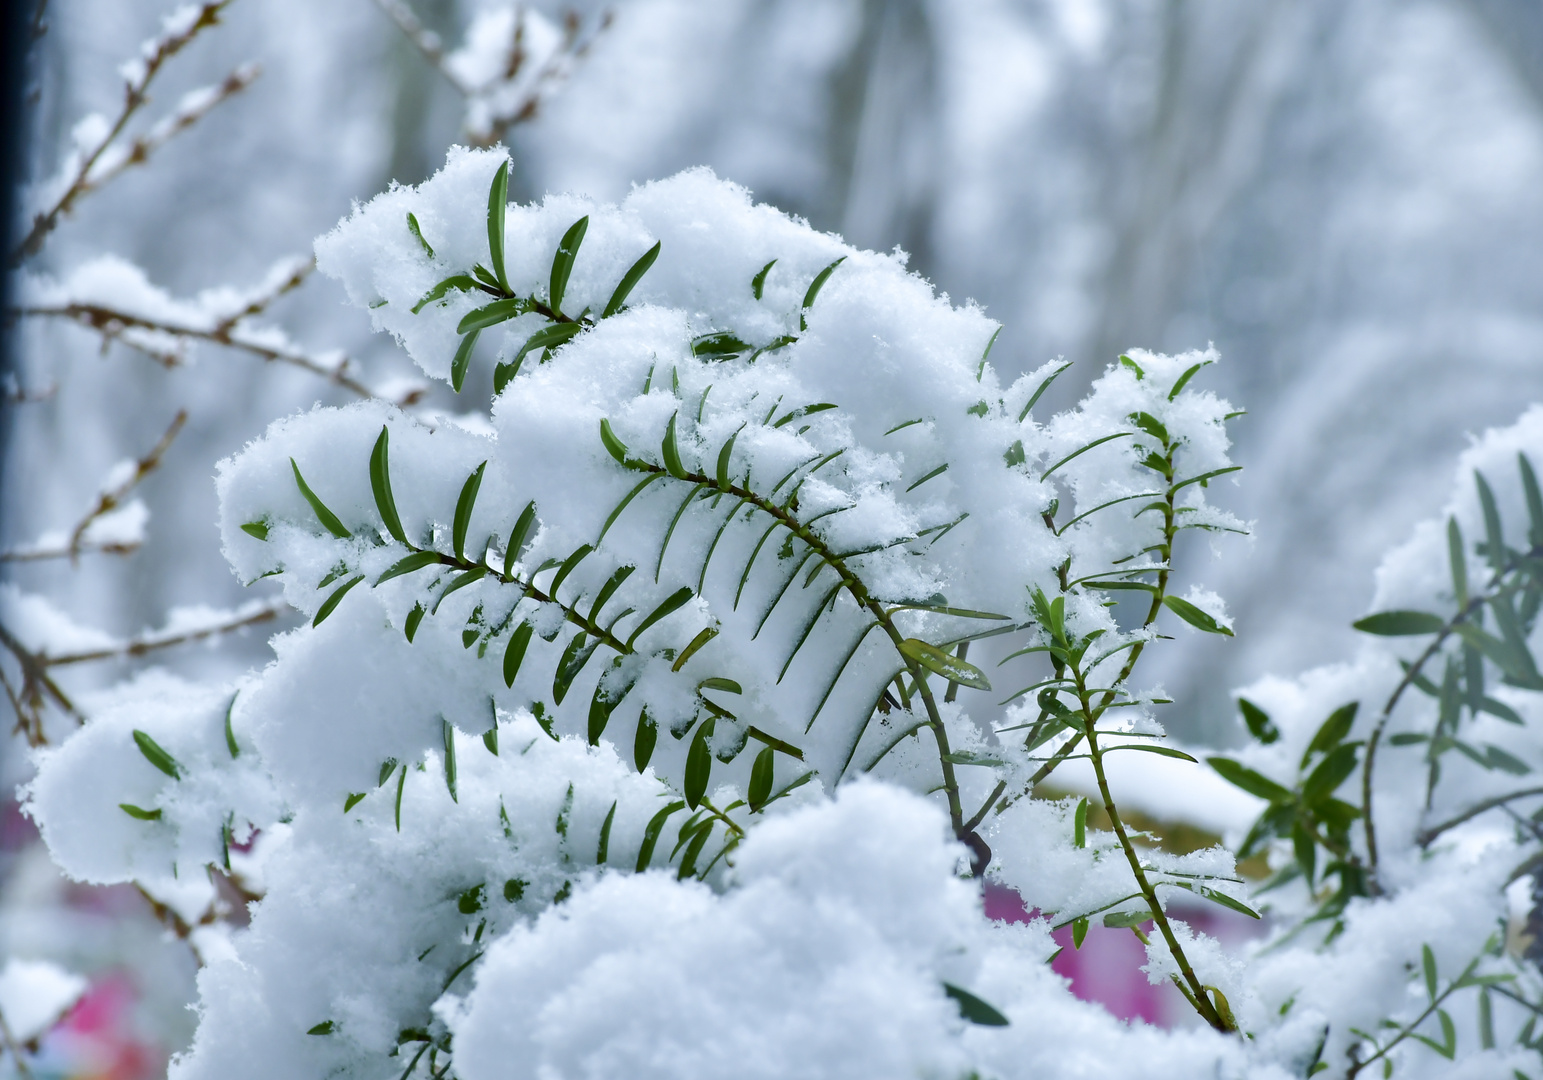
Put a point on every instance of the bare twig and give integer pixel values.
(111, 324)
(156, 53)
(147, 643)
(110, 500)
(423, 39)
(23, 1070)
(1426, 836)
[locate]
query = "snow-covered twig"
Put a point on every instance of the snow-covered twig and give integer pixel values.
(93, 165)
(110, 499)
(244, 616)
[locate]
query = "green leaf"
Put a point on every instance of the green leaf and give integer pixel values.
(1179, 386)
(562, 261)
(939, 471)
(499, 311)
(716, 683)
(401, 785)
(387, 767)
(1128, 362)
(699, 763)
(603, 850)
(643, 740)
(1152, 748)
(574, 657)
(328, 519)
(1506, 762)
(608, 590)
(651, 833)
(547, 338)
(980, 369)
(758, 283)
(1204, 479)
(353, 800)
(706, 634)
(460, 582)
(1034, 398)
(599, 714)
(671, 452)
(803, 411)
(579, 554)
(156, 755)
(722, 344)
(498, 200)
(514, 654)
(412, 227)
(814, 290)
(762, 773)
(1534, 501)
(1080, 824)
(1083, 450)
(629, 282)
(1332, 731)
(615, 447)
(410, 563)
(380, 483)
(520, 537)
(459, 282)
(1330, 773)
(1200, 620)
(973, 1008)
(1079, 932)
(1151, 425)
(230, 735)
(943, 609)
(1400, 623)
(725, 455)
(414, 617)
(564, 813)
(326, 1027)
(463, 509)
(1516, 663)
(1240, 775)
(1216, 896)
(1258, 722)
(462, 360)
(1458, 562)
(972, 757)
(945, 664)
(448, 732)
(139, 814)
(670, 604)
(1494, 545)
(259, 529)
(1428, 967)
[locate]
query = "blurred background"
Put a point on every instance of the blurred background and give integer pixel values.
(1344, 196)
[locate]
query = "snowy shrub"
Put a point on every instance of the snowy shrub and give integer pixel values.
(652, 725)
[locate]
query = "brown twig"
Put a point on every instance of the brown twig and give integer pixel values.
(148, 643)
(156, 53)
(23, 1070)
(1426, 836)
(110, 500)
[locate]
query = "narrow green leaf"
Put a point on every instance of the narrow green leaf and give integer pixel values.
(643, 740)
(259, 529)
(1179, 386)
(706, 634)
(463, 509)
(499, 311)
(670, 604)
(1400, 623)
(564, 813)
(1332, 731)
(401, 785)
(602, 852)
(945, 664)
(608, 590)
(974, 1009)
(692, 494)
(1216, 896)
(1128, 362)
(1506, 762)
(462, 359)
(814, 290)
(721, 345)
(562, 261)
(725, 456)
(1240, 775)
(326, 1027)
(1080, 824)
(410, 563)
(1079, 932)
(1034, 398)
(498, 200)
(1495, 550)
(758, 283)
(1534, 502)
(460, 581)
(1151, 425)
(1200, 620)
(412, 227)
(1330, 773)
(980, 369)
(651, 833)
(1083, 450)
(1204, 479)
(547, 338)
(1152, 748)
(761, 775)
(414, 617)
(520, 537)
(629, 281)
(353, 800)
(699, 763)
(1258, 722)
(580, 553)
(1458, 562)
(671, 452)
(1428, 967)
(328, 519)
(448, 732)
(599, 714)
(574, 657)
(139, 814)
(939, 471)
(380, 483)
(634, 493)
(230, 734)
(1517, 664)
(459, 282)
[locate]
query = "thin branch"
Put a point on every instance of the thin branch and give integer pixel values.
(23, 1070)
(423, 39)
(112, 323)
(152, 642)
(1426, 836)
(155, 54)
(110, 500)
